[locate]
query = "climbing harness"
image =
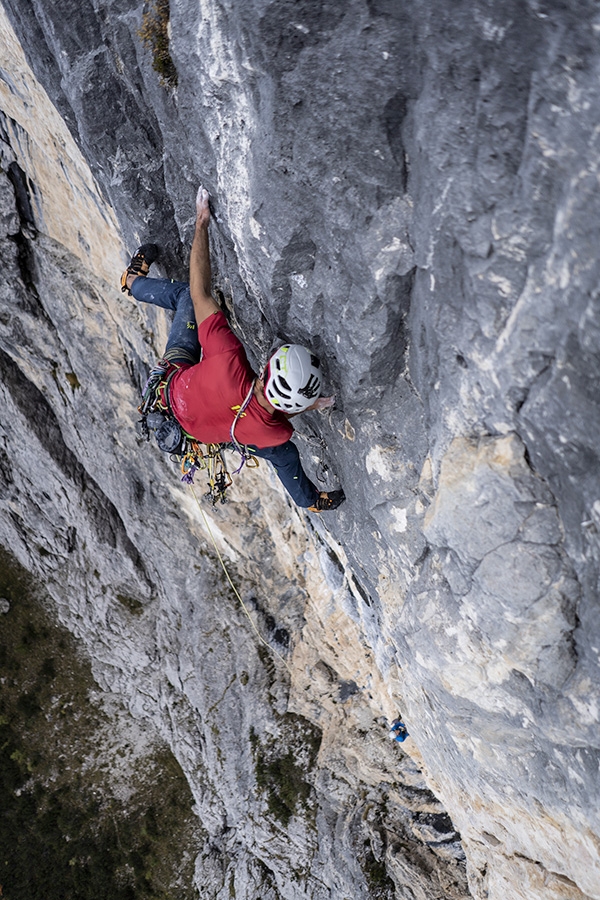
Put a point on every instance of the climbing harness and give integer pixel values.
(157, 418)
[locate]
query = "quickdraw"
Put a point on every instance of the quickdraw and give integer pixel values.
(157, 419)
(213, 463)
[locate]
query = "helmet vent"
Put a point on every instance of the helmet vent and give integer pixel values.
(277, 388)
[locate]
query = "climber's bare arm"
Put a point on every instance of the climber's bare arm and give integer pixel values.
(200, 286)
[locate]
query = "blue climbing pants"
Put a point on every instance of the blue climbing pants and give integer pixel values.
(285, 459)
(182, 346)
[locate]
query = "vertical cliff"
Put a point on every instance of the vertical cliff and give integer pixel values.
(411, 189)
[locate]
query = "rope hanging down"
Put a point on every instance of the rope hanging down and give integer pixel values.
(158, 419)
(235, 590)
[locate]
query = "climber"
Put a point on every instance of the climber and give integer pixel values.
(212, 391)
(398, 730)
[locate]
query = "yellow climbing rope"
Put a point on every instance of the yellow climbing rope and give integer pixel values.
(235, 590)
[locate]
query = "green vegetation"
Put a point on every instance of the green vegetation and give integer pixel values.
(132, 604)
(281, 776)
(381, 886)
(154, 34)
(78, 819)
(73, 380)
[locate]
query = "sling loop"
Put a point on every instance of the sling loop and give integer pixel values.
(242, 449)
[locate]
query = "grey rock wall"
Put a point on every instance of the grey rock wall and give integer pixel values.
(413, 190)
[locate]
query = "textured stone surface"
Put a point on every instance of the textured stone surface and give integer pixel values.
(413, 190)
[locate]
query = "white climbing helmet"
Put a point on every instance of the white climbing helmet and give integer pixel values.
(293, 380)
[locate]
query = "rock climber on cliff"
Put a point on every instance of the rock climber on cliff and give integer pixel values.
(209, 387)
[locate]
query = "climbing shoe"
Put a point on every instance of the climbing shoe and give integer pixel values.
(328, 500)
(140, 264)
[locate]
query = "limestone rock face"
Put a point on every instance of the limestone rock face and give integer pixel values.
(412, 190)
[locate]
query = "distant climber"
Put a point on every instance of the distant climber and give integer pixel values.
(206, 385)
(398, 731)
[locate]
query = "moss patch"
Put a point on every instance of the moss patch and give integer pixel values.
(154, 34)
(131, 604)
(73, 380)
(282, 766)
(98, 819)
(381, 886)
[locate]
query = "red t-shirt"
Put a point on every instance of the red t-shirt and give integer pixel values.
(206, 397)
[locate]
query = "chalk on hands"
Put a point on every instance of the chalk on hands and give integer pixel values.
(201, 196)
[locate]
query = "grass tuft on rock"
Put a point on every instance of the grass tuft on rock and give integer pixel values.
(154, 34)
(281, 767)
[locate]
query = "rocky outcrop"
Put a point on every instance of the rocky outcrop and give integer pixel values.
(412, 190)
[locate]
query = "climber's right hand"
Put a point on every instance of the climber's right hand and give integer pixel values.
(202, 207)
(323, 403)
